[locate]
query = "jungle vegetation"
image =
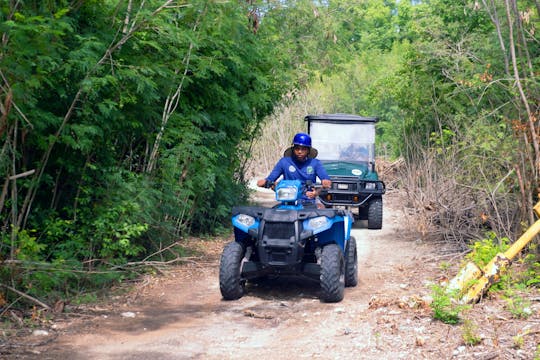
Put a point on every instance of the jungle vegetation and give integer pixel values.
(128, 125)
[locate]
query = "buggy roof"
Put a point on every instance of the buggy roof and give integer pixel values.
(341, 118)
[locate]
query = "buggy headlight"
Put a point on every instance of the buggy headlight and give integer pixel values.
(318, 222)
(246, 220)
(288, 193)
(370, 186)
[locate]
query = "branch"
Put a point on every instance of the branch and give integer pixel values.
(530, 117)
(171, 103)
(161, 250)
(24, 174)
(26, 296)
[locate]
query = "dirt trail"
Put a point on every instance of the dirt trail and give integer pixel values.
(182, 316)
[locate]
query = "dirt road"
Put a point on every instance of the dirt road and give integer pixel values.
(181, 315)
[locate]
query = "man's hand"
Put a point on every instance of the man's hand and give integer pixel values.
(326, 184)
(267, 184)
(311, 194)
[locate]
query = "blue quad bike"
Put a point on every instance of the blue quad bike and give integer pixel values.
(290, 238)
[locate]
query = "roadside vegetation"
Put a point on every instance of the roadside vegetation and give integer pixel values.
(127, 126)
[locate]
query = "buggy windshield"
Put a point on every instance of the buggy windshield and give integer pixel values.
(351, 142)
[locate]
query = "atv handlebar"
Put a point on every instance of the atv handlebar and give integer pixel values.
(269, 184)
(308, 186)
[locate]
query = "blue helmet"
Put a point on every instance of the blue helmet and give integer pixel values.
(302, 139)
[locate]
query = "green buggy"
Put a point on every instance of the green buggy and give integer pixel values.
(346, 145)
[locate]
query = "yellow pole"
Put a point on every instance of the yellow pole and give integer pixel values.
(523, 240)
(497, 265)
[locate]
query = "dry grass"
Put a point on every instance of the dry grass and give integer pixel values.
(279, 129)
(453, 203)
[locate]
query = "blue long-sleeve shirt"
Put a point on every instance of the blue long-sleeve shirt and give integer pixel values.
(311, 169)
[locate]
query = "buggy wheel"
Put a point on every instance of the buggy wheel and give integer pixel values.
(230, 283)
(351, 265)
(332, 274)
(375, 214)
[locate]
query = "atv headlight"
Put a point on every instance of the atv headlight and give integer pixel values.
(288, 193)
(246, 220)
(318, 222)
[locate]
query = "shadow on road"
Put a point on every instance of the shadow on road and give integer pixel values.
(283, 288)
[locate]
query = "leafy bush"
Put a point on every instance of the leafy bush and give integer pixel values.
(484, 251)
(531, 276)
(446, 306)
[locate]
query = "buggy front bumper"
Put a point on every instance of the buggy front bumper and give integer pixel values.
(350, 191)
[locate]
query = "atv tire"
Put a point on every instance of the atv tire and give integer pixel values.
(351, 264)
(375, 214)
(230, 283)
(332, 274)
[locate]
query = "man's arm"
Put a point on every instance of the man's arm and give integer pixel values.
(276, 172)
(323, 175)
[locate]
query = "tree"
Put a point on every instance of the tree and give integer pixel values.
(121, 124)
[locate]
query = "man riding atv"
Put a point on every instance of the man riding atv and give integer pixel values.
(293, 237)
(299, 163)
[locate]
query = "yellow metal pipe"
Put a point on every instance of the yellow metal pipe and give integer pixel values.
(462, 281)
(536, 209)
(523, 240)
(473, 282)
(492, 274)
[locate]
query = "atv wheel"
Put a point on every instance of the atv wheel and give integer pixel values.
(375, 214)
(230, 283)
(332, 274)
(351, 265)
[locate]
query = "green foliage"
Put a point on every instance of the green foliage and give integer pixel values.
(26, 245)
(518, 340)
(446, 306)
(137, 131)
(519, 307)
(531, 276)
(114, 231)
(445, 266)
(469, 333)
(485, 250)
(50, 282)
(94, 97)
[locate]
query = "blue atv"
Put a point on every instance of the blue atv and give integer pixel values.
(291, 238)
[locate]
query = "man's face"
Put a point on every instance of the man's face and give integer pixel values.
(300, 152)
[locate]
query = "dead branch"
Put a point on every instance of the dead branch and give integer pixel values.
(136, 264)
(176, 243)
(26, 296)
(523, 97)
